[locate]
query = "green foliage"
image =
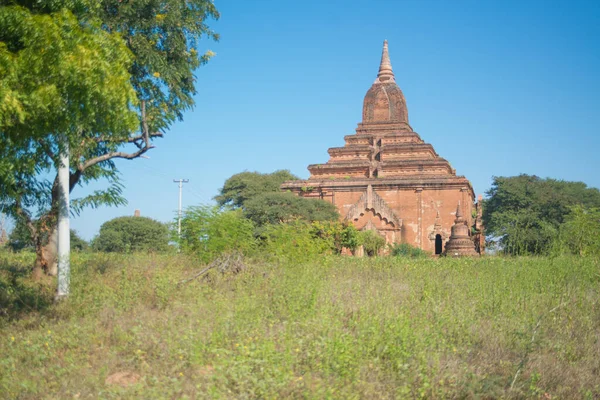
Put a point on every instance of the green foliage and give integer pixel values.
(406, 250)
(208, 232)
(372, 242)
(338, 235)
(60, 80)
(77, 243)
(275, 208)
(299, 240)
(294, 241)
(163, 36)
(524, 212)
(245, 186)
(580, 233)
(328, 327)
(131, 234)
(98, 75)
(20, 239)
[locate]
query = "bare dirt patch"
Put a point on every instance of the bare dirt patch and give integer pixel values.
(122, 378)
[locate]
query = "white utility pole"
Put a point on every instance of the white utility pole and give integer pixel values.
(181, 182)
(64, 233)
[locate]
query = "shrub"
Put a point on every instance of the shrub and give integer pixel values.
(20, 238)
(580, 233)
(77, 243)
(406, 250)
(372, 242)
(294, 241)
(337, 235)
(128, 234)
(208, 232)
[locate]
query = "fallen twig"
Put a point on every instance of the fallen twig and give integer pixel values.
(228, 262)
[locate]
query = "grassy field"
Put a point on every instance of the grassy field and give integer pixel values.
(334, 327)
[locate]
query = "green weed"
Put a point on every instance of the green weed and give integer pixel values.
(305, 326)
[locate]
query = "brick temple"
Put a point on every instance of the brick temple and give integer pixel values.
(387, 179)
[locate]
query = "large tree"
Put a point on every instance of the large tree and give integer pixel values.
(99, 75)
(125, 234)
(276, 208)
(260, 197)
(240, 188)
(524, 212)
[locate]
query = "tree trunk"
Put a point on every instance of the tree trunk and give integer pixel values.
(46, 262)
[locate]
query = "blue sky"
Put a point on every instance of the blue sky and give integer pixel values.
(498, 88)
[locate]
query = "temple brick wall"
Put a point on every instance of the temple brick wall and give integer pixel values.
(419, 210)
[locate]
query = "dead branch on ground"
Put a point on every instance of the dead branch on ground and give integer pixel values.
(232, 262)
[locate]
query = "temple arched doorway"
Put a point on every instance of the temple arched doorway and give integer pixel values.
(438, 244)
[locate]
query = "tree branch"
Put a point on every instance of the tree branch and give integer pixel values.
(46, 148)
(115, 154)
(142, 141)
(145, 130)
(74, 178)
(132, 139)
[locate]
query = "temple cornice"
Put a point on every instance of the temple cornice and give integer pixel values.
(406, 183)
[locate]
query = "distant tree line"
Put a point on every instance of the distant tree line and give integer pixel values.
(526, 214)
(523, 215)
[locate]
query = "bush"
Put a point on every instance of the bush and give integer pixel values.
(338, 235)
(128, 234)
(406, 250)
(20, 238)
(581, 232)
(294, 241)
(372, 242)
(77, 243)
(208, 232)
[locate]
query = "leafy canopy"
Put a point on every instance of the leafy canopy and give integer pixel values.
(107, 77)
(60, 80)
(240, 188)
(164, 36)
(130, 234)
(525, 211)
(275, 208)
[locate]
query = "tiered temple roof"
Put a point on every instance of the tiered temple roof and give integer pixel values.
(387, 179)
(385, 146)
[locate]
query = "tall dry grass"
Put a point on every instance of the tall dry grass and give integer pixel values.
(333, 327)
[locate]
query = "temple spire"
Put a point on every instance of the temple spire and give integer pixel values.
(385, 67)
(458, 211)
